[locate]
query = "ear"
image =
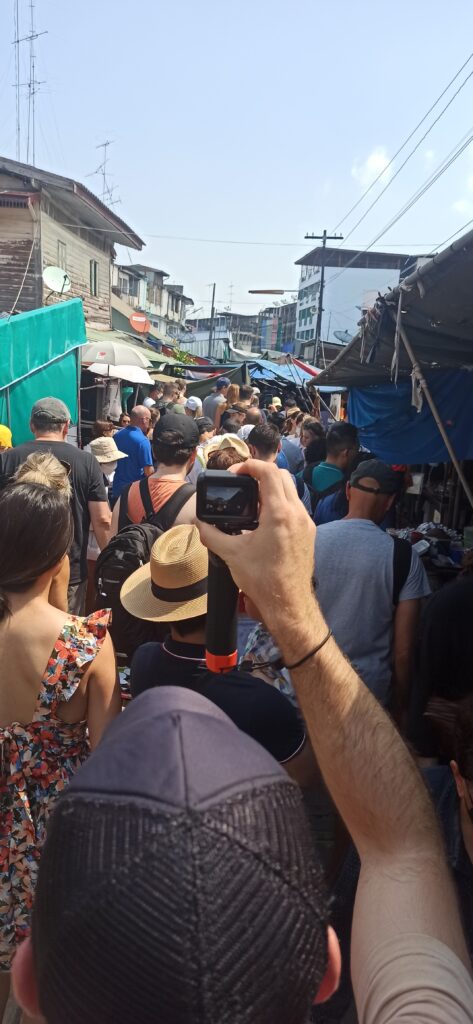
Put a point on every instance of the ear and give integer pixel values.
(252, 451)
(348, 490)
(390, 501)
(458, 779)
(331, 979)
(65, 429)
(191, 460)
(24, 982)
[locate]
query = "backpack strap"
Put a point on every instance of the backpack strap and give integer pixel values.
(402, 558)
(167, 515)
(146, 497)
(123, 518)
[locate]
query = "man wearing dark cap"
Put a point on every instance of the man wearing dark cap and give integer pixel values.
(49, 423)
(178, 881)
(175, 439)
(216, 398)
(370, 586)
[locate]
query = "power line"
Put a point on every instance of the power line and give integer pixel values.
(404, 144)
(457, 232)
(441, 169)
(409, 156)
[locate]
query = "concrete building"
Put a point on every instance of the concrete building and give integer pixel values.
(48, 220)
(147, 289)
(352, 281)
(277, 327)
(239, 329)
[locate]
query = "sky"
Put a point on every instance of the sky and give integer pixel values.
(250, 122)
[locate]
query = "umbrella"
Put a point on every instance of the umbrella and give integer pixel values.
(134, 374)
(114, 353)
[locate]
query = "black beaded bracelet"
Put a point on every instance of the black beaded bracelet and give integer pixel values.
(311, 653)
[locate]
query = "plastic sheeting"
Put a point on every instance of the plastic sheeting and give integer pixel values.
(392, 428)
(38, 358)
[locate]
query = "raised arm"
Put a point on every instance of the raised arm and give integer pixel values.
(405, 884)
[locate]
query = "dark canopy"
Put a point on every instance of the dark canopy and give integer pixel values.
(437, 315)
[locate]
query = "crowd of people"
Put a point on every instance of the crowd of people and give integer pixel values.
(178, 845)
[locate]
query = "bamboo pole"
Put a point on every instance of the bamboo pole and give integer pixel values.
(433, 408)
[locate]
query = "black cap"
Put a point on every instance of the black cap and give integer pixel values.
(178, 881)
(180, 424)
(374, 469)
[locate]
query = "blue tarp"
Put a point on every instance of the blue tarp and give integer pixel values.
(288, 373)
(391, 427)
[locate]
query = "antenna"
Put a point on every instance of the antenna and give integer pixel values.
(32, 85)
(107, 189)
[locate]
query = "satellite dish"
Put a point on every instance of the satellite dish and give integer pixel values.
(139, 322)
(56, 279)
(343, 336)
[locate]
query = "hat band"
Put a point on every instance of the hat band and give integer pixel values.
(180, 593)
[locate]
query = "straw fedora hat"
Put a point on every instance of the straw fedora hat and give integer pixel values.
(226, 441)
(105, 450)
(173, 585)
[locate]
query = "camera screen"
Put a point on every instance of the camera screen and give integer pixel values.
(227, 501)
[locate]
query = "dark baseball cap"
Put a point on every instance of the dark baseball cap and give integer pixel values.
(374, 469)
(223, 382)
(50, 410)
(178, 881)
(180, 424)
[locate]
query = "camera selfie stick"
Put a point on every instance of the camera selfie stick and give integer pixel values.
(221, 653)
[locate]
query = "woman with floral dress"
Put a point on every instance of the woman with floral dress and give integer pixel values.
(58, 691)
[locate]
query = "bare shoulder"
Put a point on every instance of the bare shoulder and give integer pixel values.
(187, 515)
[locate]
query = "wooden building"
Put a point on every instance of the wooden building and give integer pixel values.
(49, 220)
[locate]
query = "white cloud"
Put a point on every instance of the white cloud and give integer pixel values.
(429, 157)
(365, 171)
(463, 206)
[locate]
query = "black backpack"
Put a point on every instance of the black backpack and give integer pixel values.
(126, 552)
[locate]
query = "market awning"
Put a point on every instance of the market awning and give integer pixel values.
(436, 309)
(284, 373)
(97, 336)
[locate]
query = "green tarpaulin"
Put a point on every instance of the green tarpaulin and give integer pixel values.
(38, 357)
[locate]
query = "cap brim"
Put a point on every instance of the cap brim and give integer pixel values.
(116, 458)
(137, 598)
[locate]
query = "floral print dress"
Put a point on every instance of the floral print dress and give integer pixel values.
(36, 763)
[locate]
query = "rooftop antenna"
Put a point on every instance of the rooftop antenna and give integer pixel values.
(107, 189)
(32, 85)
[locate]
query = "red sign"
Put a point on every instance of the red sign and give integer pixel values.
(139, 323)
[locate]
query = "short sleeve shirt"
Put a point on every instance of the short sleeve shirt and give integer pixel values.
(354, 579)
(87, 485)
(416, 979)
(211, 404)
(254, 706)
(136, 446)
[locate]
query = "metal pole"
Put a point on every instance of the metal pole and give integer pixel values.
(433, 408)
(318, 327)
(212, 318)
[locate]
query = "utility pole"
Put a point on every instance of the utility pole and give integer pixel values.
(16, 43)
(212, 318)
(318, 328)
(32, 85)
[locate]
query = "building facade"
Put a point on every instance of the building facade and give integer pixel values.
(47, 220)
(352, 282)
(148, 290)
(277, 327)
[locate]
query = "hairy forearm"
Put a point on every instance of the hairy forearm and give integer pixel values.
(366, 766)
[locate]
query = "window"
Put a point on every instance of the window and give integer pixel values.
(94, 278)
(61, 255)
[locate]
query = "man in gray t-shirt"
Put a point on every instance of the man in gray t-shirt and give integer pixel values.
(354, 576)
(216, 398)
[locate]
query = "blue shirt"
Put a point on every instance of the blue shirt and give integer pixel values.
(133, 442)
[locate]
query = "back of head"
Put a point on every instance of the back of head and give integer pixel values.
(204, 425)
(233, 394)
(44, 468)
(246, 393)
(340, 437)
(49, 416)
(373, 487)
(225, 458)
(170, 391)
(37, 531)
(253, 416)
(102, 428)
(175, 439)
(265, 440)
(185, 889)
